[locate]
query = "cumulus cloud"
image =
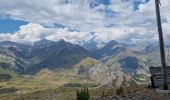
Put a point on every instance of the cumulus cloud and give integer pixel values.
(33, 32)
(117, 20)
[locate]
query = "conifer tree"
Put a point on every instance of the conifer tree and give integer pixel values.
(83, 94)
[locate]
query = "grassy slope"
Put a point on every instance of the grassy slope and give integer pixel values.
(47, 79)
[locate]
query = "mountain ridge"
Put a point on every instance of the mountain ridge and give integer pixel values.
(41, 50)
(113, 60)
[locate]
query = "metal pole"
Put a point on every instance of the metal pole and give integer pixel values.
(161, 41)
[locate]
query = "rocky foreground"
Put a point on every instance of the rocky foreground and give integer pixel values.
(131, 97)
(138, 94)
(130, 93)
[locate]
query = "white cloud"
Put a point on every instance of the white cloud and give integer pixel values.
(76, 15)
(34, 32)
(127, 24)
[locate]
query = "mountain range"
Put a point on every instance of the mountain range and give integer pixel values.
(115, 63)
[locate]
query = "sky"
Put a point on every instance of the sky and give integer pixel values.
(79, 21)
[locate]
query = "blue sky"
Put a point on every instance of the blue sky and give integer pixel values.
(10, 25)
(72, 20)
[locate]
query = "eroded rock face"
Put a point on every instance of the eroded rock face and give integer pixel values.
(107, 76)
(99, 72)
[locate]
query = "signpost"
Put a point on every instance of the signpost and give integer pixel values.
(161, 41)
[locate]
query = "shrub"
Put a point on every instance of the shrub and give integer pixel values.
(120, 90)
(83, 94)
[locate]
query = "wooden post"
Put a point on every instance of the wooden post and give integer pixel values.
(161, 41)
